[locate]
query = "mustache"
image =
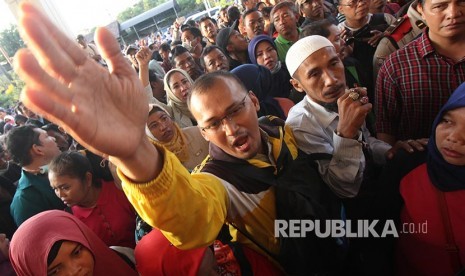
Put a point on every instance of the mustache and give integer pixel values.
(334, 89)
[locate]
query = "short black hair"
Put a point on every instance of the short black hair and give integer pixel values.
(175, 43)
(247, 12)
(165, 47)
(194, 31)
(266, 11)
(177, 51)
(320, 27)
(233, 14)
(205, 18)
(52, 127)
(19, 142)
(20, 118)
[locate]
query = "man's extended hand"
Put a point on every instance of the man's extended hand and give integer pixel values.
(103, 110)
(408, 145)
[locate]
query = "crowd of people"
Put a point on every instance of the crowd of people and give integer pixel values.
(182, 156)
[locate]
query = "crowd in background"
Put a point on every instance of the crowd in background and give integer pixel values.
(355, 101)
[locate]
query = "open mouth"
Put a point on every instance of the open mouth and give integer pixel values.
(242, 143)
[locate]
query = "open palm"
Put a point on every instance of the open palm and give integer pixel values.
(104, 110)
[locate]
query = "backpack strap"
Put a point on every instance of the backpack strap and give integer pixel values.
(451, 245)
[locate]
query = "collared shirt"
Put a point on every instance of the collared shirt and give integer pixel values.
(413, 84)
(33, 195)
(283, 45)
(314, 131)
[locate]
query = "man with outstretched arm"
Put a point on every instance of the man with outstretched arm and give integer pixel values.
(106, 112)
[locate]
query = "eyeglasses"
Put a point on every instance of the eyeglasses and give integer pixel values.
(236, 111)
(354, 3)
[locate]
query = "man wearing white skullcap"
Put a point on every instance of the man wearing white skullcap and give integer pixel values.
(329, 120)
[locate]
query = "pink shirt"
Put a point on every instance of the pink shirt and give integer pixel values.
(113, 219)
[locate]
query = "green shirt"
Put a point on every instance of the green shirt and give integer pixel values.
(33, 195)
(283, 46)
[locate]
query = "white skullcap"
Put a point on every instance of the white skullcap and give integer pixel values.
(302, 49)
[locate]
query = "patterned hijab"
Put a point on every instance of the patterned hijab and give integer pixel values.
(174, 101)
(445, 176)
(178, 144)
(33, 240)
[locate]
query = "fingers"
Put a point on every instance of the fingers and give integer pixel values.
(423, 141)
(56, 53)
(409, 145)
(38, 79)
(373, 41)
(144, 55)
(111, 52)
(419, 144)
(35, 100)
(357, 95)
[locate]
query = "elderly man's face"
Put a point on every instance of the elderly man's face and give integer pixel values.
(215, 60)
(321, 76)
(285, 21)
(186, 62)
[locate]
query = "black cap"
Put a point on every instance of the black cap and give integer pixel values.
(222, 38)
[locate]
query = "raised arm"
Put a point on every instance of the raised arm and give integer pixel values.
(104, 111)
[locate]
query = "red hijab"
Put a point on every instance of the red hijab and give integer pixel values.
(33, 240)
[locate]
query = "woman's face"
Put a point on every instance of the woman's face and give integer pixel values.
(71, 190)
(180, 86)
(72, 259)
(450, 136)
(161, 126)
(266, 55)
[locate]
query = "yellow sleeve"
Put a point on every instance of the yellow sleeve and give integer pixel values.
(188, 209)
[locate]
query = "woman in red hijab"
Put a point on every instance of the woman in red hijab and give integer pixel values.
(57, 243)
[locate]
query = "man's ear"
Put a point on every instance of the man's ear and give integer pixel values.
(204, 135)
(339, 9)
(420, 11)
(229, 48)
(297, 85)
(36, 150)
(255, 100)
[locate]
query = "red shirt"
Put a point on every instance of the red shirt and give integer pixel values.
(425, 253)
(413, 84)
(113, 219)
